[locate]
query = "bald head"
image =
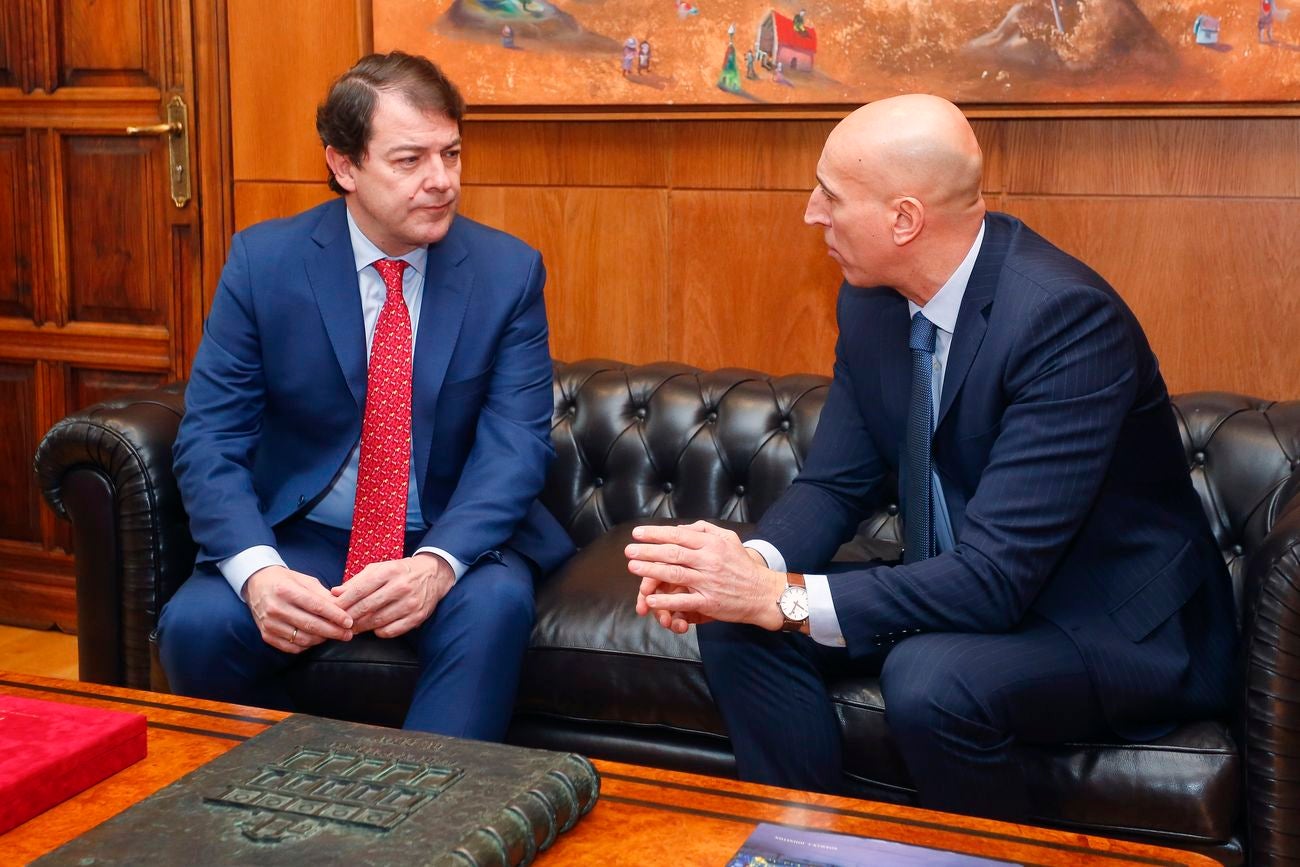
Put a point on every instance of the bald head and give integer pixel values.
(898, 194)
(913, 145)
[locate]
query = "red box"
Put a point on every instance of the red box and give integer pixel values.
(50, 751)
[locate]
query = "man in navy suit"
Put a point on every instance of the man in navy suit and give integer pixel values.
(371, 402)
(1059, 578)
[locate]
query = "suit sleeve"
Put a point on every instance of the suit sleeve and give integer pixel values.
(1069, 391)
(223, 417)
(506, 467)
(823, 506)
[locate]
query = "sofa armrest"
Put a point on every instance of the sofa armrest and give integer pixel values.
(1271, 658)
(108, 470)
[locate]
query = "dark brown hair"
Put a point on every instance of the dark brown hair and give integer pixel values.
(343, 119)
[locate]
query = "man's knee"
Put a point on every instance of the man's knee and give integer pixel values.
(500, 594)
(926, 687)
(721, 644)
(199, 623)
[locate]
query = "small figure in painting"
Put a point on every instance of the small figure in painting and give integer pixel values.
(629, 55)
(749, 66)
(730, 78)
(507, 36)
(686, 9)
(1266, 21)
(800, 22)
(778, 75)
(643, 57)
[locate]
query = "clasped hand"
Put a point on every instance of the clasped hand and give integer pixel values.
(294, 612)
(699, 572)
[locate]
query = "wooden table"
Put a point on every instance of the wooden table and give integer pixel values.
(644, 815)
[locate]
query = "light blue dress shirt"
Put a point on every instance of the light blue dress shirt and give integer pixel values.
(942, 310)
(335, 508)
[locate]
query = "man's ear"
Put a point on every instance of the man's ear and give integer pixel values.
(909, 219)
(341, 167)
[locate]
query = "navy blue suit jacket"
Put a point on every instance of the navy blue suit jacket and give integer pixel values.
(1064, 475)
(278, 389)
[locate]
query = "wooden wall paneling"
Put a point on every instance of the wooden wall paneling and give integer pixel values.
(256, 201)
(11, 24)
(750, 284)
(776, 154)
(1154, 156)
(88, 385)
(1211, 280)
(19, 509)
(747, 154)
(990, 136)
(285, 57)
(20, 226)
(52, 300)
(547, 153)
(39, 591)
(212, 160)
(51, 405)
(108, 44)
(115, 259)
(606, 254)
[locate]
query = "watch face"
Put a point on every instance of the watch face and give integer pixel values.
(794, 603)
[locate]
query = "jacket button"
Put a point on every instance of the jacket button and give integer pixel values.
(740, 490)
(785, 424)
(599, 482)
(301, 499)
(668, 487)
(713, 416)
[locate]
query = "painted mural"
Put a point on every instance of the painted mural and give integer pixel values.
(746, 52)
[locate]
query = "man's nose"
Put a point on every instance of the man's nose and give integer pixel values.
(814, 214)
(437, 177)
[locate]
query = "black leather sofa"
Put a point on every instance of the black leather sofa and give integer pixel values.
(666, 441)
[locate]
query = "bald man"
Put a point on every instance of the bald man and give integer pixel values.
(1059, 578)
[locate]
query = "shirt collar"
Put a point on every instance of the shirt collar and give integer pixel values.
(366, 253)
(943, 308)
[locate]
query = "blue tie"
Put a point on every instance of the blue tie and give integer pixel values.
(918, 502)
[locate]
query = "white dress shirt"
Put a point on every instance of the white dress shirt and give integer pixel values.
(334, 509)
(941, 310)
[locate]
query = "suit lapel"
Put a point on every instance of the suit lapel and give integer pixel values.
(448, 284)
(332, 270)
(972, 319)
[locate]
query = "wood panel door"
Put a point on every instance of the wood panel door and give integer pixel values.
(101, 271)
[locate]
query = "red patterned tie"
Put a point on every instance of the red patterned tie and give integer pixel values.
(379, 516)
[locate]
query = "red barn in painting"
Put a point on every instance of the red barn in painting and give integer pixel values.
(779, 42)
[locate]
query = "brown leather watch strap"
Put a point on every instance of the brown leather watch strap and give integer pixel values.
(794, 579)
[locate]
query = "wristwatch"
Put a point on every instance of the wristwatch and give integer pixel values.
(793, 603)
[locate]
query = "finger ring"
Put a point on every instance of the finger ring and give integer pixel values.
(293, 639)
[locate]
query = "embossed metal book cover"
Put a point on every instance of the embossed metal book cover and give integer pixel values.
(313, 791)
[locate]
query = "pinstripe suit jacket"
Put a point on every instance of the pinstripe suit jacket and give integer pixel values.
(1063, 472)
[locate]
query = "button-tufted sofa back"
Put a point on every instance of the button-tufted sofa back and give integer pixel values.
(672, 441)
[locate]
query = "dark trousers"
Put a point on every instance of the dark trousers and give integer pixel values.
(958, 706)
(470, 649)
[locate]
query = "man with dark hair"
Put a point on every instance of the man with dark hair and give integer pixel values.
(367, 426)
(1059, 578)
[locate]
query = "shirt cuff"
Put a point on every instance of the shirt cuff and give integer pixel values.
(775, 561)
(457, 567)
(823, 625)
(239, 568)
